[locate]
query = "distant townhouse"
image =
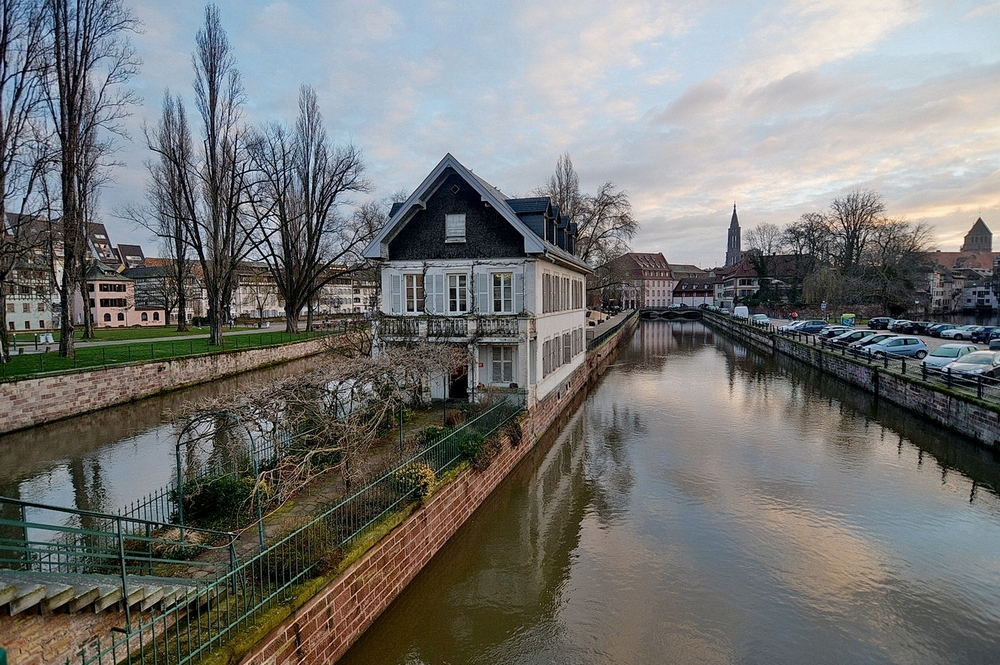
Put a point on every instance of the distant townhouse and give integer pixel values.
(695, 291)
(647, 279)
(463, 264)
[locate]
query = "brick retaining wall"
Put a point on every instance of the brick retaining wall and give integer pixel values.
(975, 418)
(33, 401)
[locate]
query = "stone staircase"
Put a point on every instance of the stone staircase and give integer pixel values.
(23, 591)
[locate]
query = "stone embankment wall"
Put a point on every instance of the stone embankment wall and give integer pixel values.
(325, 627)
(33, 401)
(976, 418)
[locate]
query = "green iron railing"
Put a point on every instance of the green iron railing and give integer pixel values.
(40, 538)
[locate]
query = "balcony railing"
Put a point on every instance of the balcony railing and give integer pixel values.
(397, 328)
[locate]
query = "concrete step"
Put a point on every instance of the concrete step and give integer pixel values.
(22, 591)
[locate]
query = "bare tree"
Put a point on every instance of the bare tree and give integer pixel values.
(764, 243)
(303, 180)
(170, 197)
(604, 220)
(563, 188)
(895, 258)
(23, 153)
(90, 59)
(852, 221)
(810, 235)
(208, 189)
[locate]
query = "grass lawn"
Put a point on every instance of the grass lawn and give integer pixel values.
(30, 364)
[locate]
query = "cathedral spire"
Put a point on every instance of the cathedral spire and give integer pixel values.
(733, 251)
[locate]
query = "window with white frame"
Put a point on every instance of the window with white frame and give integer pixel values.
(414, 292)
(503, 364)
(454, 228)
(503, 292)
(458, 294)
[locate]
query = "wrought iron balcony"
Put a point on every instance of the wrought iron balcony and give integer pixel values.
(453, 328)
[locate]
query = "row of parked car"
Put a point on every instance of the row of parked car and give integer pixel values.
(954, 331)
(959, 360)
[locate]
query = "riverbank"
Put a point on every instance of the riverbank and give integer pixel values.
(44, 399)
(966, 414)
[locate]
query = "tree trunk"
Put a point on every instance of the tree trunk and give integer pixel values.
(4, 336)
(66, 330)
(291, 322)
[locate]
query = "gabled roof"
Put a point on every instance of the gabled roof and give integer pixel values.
(979, 228)
(533, 244)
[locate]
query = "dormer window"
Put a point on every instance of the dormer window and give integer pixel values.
(454, 228)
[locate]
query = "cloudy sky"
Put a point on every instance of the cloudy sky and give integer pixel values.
(688, 105)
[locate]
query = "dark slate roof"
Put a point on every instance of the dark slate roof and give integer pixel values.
(979, 228)
(145, 272)
(396, 205)
(533, 204)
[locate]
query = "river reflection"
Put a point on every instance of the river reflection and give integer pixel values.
(708, 505)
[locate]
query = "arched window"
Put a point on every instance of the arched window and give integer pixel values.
(156, 317)
(145, 317)
(121, 316)
(107, 317)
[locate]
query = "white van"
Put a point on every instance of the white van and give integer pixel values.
(741, 312)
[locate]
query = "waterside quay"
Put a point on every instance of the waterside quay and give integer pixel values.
(967, 410)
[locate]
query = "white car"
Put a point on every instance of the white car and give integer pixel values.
(962, 332)
(947, 353)
(760, 319)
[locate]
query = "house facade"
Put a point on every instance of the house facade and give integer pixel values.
(463, 264)
(647, 279)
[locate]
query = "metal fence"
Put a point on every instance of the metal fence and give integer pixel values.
(182, 635)
(983, 387)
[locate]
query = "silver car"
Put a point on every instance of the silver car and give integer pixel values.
(901, 345)
(947, 353)
(979, 363)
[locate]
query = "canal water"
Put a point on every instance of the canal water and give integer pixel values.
(105, 460)
(709, 505)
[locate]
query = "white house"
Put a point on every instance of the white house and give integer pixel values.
(463, 264)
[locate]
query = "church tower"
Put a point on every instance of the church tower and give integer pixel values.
(978, 239)
(733, 252)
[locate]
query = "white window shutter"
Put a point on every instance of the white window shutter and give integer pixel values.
(517, 285)
(483, 293)
(439, 291)
(395, 295)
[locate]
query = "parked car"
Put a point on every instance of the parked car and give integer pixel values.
(900, 345)
(979, 363)
(961, 332)
(947, 353)
(850, 336)
(984, 334)
(880, 322)
(995, 344)
(915, 327)
(874, 339)
(790, 326)
(812, 326)
(760, 319)
(938, 328)
(832, 331)
(898, 325)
